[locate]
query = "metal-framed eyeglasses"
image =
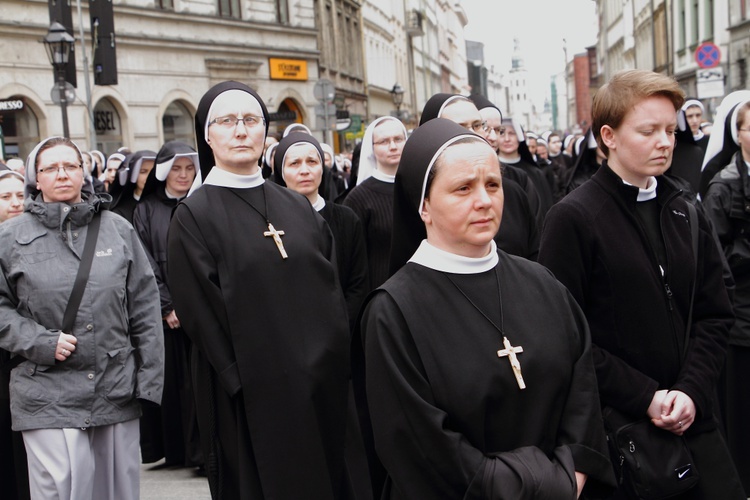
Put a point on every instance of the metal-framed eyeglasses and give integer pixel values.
(54, 170)
(231, 121)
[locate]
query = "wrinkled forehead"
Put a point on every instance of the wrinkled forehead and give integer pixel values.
(9, 184)
(459, 110)
(234, 102)
(56, 154)
(301, 150)
(491, 115)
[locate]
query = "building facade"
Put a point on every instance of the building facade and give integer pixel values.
(169, 52)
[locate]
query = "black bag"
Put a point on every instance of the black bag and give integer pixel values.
(650, 463)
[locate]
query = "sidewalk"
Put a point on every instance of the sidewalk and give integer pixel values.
(172, 483)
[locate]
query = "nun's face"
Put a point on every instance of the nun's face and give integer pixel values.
(388, 141)
(59, 174)
(465, 204)
(303, 169)
(555, 145)
(238, 146)
(466, 114)
(508, 141)
(694, 117)
(181, 176)
(140, 182)
(494, 125)
(743, 135)
(11, 198)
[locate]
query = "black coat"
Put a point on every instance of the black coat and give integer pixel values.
(151, 221)
(727, 204)
(596, 245)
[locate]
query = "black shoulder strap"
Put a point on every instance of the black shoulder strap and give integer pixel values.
(74, 301)
(694, 233)
(84, 268)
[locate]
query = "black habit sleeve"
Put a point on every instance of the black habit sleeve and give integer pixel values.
(193, 279)
(142, 221)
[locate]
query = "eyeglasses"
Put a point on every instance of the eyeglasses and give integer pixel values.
(69, 169)
(231, 121)
(477, 127)
(497, 130)
(387, 142)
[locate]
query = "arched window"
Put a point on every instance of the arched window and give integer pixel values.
(107, 126)
(177, 124)
(20, 127)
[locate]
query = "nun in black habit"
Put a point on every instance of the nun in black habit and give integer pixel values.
(349, 238)
(518, 234)
(129, 183)
(478, 373)
(253, 281)
(168, 431)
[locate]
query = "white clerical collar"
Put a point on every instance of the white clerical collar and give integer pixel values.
(383, 177)
(646, 194)
(223, 178)
(509, 160)
(432, 257)
(747, 164)
(319, 204)
(698, 136)
(170, 195)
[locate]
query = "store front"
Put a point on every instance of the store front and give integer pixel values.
(20, 127)
(108, 127)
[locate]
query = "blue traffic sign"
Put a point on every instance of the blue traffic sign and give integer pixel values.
(708, 55)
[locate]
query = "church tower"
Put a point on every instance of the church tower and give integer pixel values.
(518, 97)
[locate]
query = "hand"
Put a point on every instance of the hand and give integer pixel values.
(66, 344)
(580, 482)
(172, 321)
(654, 409)
(677, 413)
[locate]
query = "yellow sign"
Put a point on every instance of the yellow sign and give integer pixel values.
(288, 69)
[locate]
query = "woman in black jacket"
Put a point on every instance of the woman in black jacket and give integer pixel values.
(622, 245)
(726, 205)
(168, 432)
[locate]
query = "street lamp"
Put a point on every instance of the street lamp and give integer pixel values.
(397, 93)
(58, 44)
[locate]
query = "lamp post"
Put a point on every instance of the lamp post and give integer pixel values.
(58, 44)
(397, 93)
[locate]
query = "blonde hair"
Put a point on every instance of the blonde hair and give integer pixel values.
(618, 96)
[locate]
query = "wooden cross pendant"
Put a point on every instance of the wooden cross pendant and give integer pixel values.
(277, 239)
(511, 351)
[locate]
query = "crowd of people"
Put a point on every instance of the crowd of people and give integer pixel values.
(444, 314)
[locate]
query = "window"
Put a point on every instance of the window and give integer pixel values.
(107, 126)
(21, 129)
(165, 4)
(682, 34)
(282, 11)
(229, 8)
(709, 24)
(177, 124)
(694, 24)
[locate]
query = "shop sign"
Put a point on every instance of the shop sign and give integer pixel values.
(288, 69)
(11, 105)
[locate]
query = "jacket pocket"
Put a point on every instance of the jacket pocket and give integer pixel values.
(33, 388)
(33, 251)
(119, 376)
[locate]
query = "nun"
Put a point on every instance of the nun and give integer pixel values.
(169, 431)
(726, 206)
(513, 151)
(130, 181)
(519, 234)
(478, 374)
(252, 273)
(300, 159)
(372, 198)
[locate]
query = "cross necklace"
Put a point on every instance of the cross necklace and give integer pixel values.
(272, 232)
(510, 350)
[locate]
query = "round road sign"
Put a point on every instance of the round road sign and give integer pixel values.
(707, 55)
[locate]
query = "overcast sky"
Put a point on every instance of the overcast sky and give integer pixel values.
(540, 25)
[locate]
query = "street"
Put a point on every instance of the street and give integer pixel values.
(167, 483)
